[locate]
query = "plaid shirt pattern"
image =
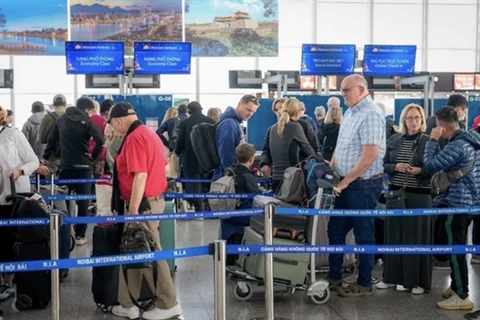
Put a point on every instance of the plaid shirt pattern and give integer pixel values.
(364, 124)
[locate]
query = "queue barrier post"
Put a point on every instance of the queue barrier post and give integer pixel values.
(219, 266)
(55, 224)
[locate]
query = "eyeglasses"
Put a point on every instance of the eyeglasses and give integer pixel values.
(347, 90)
(249, 98)
(416, 118)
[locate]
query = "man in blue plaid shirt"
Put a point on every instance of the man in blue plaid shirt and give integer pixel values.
(358, 166)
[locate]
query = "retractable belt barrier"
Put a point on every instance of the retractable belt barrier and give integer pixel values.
(84, 181)
(166, 195)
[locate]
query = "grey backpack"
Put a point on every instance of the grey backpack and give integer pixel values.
(292, 187)
(225, 184)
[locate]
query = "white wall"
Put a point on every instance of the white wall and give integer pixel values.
(449, 45)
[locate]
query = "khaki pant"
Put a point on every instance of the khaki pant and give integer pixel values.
(166, 296)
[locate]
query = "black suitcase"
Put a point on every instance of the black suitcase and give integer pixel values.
(66, 243)
(284, 226)
(33, 287)
(106, 241)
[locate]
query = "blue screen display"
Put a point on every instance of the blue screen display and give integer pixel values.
(389, 60)
(327, 59)
(162, 57)
(94, 57)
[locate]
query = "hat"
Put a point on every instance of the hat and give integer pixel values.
(476, 122)
(37, 105)
(59, 100)
(120, 110)
(194, 106)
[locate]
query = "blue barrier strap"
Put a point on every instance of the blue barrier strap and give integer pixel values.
(212, 195)
(376, 213)
(188, 180)
(67, 181)
(357, 249)
(134, 218)
(76, 197)
(103, 261)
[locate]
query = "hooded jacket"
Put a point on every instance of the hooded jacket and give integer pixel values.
(229, 134)
(31, 130)
(73, 132)
(461, 150)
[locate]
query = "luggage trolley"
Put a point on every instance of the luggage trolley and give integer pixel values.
(317, 290)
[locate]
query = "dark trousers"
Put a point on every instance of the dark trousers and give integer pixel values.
(456, 227)
(360, 194)
(80, 189)
(195, 187)
(476, 230)
(440, 236)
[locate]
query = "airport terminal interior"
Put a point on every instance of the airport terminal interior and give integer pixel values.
(223, 50)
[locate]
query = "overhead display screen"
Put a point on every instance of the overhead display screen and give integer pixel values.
(327, 59)
(162, 57)
(94, 57)
(389, 60)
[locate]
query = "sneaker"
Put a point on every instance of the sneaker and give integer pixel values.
(130, 313)
(475, 259)
(80, 241)
(334, 284)
(383, 286)
(401, 288)
(448, 293)
(7, 294)
(159, 314)
(441, 265)
(456, 303)
(354, 290)
(418, 290)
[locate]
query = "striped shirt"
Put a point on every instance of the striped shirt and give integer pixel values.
(364, 124)
(404, 155)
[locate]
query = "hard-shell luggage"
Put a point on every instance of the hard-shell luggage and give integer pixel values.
(106, 241)
(33, 287)
(321, 260)
(66, 243)
(168, 232)
(261, 201)
(289, 269)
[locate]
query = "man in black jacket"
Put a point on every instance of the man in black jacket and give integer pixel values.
(171, 126)
(191, 164)
(73, 132)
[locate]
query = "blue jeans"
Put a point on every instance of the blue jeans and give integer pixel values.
(360, 194)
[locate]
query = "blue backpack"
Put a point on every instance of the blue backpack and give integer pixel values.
(315, 169)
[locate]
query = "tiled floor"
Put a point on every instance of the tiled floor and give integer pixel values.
(194, 282)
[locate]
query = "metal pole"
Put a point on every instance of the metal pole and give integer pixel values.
(219, 267)
(52, 186)
(55, 224)
(268, 239)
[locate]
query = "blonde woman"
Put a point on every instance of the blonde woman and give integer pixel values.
(409, 187)
(330, 129)
(287, 140)
(214, 113)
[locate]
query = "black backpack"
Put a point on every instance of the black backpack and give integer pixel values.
(55, 117)
(173, 136)
(204, 143)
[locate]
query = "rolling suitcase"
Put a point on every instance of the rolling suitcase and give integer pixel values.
(33, 287)
(283, 226)
(167, 231)
(106, 241)
(66, 243)
(288, 268)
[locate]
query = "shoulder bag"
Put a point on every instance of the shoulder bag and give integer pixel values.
(442, 180)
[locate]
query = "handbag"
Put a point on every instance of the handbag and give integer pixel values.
(442, 180)
(135, 240)
(396, 199)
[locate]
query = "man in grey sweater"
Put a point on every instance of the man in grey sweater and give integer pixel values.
(31, 128)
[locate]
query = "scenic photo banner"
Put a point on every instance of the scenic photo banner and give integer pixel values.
(126, 20)
(33, 27)
(232, 28)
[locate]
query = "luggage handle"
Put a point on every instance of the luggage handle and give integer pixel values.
(293, 233)
(284, 261)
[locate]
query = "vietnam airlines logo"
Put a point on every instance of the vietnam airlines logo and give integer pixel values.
(313, 49)
(78, 47)
(146, 47)
(375, 49)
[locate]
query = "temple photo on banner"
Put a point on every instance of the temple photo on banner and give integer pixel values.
(232, 28)
(126, 20)
(33, 27)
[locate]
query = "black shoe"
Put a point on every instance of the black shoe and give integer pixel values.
(473, 315)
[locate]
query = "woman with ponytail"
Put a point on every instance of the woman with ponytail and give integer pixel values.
(287, 141)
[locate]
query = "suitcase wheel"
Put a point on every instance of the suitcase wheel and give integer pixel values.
(23, 303)
(242, 291)
(322, 298)
(104, 308)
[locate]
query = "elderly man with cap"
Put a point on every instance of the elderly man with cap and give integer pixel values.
(31, 128)
(320, 115)
(139, 183)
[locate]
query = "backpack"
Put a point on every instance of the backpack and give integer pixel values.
(225, 184)
(55, 117)
(173, 136)
(292, 188)
(204, 144)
